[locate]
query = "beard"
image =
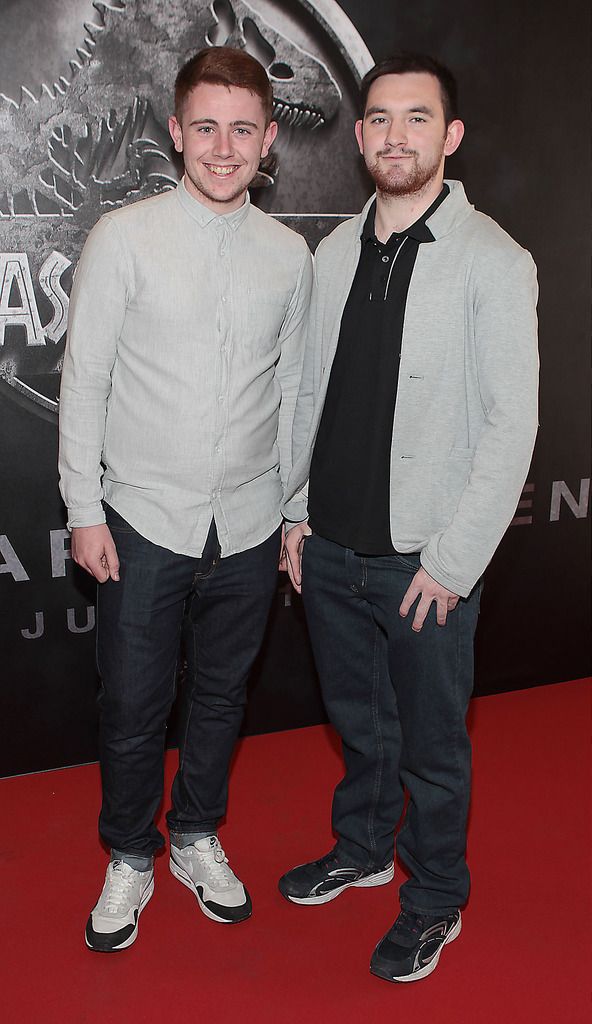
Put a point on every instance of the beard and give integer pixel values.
(409, 180)
(209, 193)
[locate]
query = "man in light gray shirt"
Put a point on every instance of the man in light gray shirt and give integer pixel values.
(184, 354)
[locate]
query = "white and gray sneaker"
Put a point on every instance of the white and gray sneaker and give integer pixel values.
(113, 923)
(203, 867)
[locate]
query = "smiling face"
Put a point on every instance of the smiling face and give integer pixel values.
(403, 135)
(223, 137)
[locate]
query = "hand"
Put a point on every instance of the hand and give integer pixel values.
(423, 584)
(283, 564)
(293, 553)
(93, 549)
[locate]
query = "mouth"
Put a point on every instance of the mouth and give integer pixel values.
(222, 170)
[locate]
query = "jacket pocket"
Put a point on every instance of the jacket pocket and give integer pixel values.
(455, 472)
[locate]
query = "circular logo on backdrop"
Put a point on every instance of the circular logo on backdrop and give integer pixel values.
(84, 125)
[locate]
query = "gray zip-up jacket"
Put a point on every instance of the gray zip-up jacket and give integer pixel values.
(466, 410)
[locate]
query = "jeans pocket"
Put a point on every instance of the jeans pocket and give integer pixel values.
(115, 522)
(409, 561)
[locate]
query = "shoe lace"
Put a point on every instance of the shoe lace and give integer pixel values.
(215, 860)
(329, 860)
(121, 880)
(408, 923)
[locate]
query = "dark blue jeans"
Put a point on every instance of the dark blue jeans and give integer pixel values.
(398, 699)
(222, 605)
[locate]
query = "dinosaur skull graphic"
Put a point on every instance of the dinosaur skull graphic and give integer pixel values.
(125, 150)
(305, 93)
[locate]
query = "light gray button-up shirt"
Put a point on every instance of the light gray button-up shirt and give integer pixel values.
(182, 365)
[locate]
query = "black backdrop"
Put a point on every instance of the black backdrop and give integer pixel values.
(522, 70)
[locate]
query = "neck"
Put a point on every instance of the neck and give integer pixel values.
(396, 213)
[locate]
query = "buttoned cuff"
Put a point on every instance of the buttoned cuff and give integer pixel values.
(86, 515)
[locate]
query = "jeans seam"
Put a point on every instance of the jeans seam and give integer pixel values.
(428, 911)
(190, 711)
(459, 635)
(379, 744)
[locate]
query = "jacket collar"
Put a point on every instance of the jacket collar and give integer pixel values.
(448, 216)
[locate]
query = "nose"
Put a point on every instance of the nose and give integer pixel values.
(397, 133)
(223, 147)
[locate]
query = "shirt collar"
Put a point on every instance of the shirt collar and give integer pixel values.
(418, 230)
(202, 213)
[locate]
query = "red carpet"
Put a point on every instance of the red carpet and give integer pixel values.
(523, 955)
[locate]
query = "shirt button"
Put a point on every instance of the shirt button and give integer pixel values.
(223, 298)
(220, 398)
(385, 259)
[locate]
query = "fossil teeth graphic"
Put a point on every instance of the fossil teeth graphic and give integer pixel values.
(84, 54)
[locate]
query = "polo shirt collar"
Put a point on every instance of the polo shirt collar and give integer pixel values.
(418, 230)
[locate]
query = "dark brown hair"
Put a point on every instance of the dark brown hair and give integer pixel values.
(224, 65)
(403, 62)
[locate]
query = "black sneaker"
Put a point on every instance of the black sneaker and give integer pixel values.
(411, 949)
(322, 880)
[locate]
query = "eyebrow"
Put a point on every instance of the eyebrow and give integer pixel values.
(416, 109)
(233, 124)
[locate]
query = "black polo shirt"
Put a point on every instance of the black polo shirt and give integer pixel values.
(349, 487)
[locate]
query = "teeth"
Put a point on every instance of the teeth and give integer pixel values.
(222, 171)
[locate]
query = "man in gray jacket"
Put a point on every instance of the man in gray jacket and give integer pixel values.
(414, 427)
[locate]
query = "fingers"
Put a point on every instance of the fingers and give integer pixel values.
(428, 590)
(294, 563)
(93, 549)
(94, 563)
(293, 547)
(110, 560)
(441, 611)
(410, 596)
(100, 569)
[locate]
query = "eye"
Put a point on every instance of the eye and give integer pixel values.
(419, 120)
(378, 120)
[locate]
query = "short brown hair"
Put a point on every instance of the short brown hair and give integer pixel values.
(224, 65)
(403, 62)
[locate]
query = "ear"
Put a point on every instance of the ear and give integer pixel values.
(176, 133)
(454, 135)
(359, 135)
(268, 138)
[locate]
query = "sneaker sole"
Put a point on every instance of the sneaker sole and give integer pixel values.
(425, 971)
(380, 878)
(188, 882)
(147, 895)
